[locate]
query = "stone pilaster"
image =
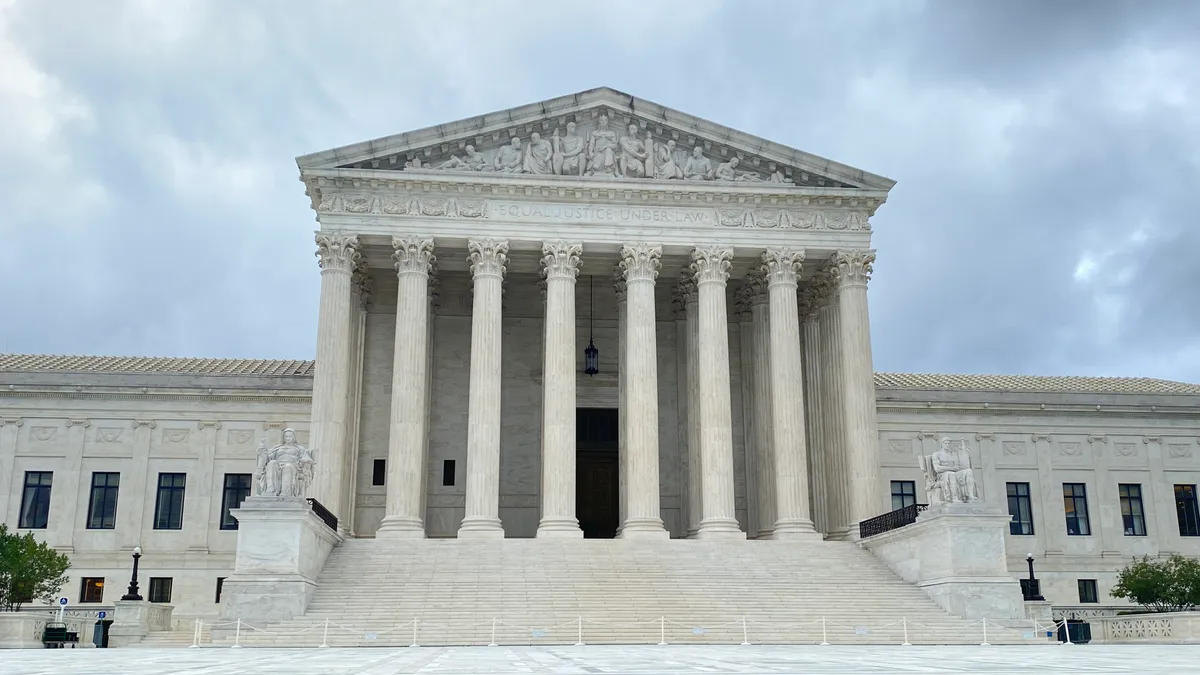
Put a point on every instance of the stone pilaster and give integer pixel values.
(782, 267)
(10, 428)
(413, 258)
(814, 394)
(695, 513)
(338, 254)
(764, 441)
(852, 270)
(137, 477)
(640, 263)
(834, 431)
(622, 403)
(560, 261)
(711, 267)
(488, 258)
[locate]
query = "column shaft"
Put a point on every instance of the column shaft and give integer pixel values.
(360, 284)
(681, 400)
(782, 267)
(482, 518)
(561, 262)
(642, 518)
(413, 258)
(813, 412)
(622, 401)
(711, 266)
(338, 255)
(835, 417)
(764, 441)
(695, 463)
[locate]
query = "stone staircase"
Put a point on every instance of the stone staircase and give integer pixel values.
(527, 591)
(183, 636)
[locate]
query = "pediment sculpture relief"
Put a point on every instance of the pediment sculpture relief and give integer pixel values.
(949, 478)
(285, 470)
(600, 152)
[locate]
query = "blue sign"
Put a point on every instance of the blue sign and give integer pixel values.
(101, 614)
(62, 601)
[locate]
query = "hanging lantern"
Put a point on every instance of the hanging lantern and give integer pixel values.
(591, 355)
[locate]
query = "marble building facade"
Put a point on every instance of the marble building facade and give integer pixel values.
(465, 269)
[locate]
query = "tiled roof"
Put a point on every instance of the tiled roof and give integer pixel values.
(1035, 383)
(285, 368)
(157, 365)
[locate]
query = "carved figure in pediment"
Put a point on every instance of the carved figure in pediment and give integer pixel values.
(414, 163)
(473, 161)
(602, 150)
(285, 470)
(538, 155)
(665, 167)
(777, 177)
(509, 158)
(697, 167)
(634, 154)
(725, 170)
(567, 159)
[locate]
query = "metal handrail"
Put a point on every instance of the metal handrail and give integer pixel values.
(890, 520)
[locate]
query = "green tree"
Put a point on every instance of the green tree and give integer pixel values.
(29, 570)
(1170, 585)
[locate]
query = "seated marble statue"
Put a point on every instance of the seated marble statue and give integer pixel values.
(948, 475)
(665, 167)
(509, 158)
(697, 166)
(635, 154)
(285, 470)
(473, 161)
(567, 159)
(538, 156)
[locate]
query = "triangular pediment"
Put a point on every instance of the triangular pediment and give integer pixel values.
(599, 134)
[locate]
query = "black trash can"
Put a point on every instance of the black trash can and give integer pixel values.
(100, 632)
(1080, 631)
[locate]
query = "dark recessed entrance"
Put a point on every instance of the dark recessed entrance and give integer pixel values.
(597, 487)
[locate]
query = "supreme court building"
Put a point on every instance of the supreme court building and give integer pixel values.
(590, 317)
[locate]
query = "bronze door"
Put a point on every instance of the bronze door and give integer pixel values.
(597, 494)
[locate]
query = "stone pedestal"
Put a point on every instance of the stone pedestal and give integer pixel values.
(134, 620)
(955, 553)
(282, 546)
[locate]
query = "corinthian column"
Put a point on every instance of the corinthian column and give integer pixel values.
(338, 254)
(482, 519)
(852, 269)
(622, 404)
(834, 413)
(813, 417)
(781, 267)
(413, 257)
(711, 267)
(640, 263)
(561, 262)
(695, 512)
(764, 440)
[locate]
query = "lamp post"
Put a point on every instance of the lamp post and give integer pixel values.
(1033, 592)
(132, 594)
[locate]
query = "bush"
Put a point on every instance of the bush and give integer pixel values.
(1171, 585)
(29, 570)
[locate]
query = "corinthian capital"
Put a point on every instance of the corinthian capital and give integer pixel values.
(781, 265)
(488, 257)
(711, 264)
(852, 268)
(560, 260)
(337, 251)
(413, 255)
(640, 262)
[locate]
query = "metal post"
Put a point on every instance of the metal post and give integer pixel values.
(745, 640)
(579, 641)
(1067, 630)
(985, 642)
(196, 633)
(414, 642)
(662, 631)
(325, 635)
(237, 635)
(492, 643)
(824, 635)
(904, 622)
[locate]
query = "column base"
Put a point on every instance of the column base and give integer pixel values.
(480, 527)
(765, 534)
(400, 527)
(643, 528)
(719, 528)
(795, 530)
(559, 528)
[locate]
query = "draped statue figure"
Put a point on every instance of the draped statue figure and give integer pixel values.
(285, 470)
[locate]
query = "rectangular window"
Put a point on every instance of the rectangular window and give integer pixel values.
(1134, 519)
(378, 472)
(91, 589)
(1075, 503)
(160, 589)
(237, 488)
(35, 500)
(1185, 509)
(168, 510)
(220, 584)
(102, 508)
(1087, 591)
(448, 472)
(904, 493)
(1020, 508)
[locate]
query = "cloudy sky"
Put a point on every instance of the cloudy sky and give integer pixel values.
(1047, 153)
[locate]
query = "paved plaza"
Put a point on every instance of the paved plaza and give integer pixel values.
(635, 659)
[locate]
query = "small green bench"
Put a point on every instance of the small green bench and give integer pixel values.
(56, 636)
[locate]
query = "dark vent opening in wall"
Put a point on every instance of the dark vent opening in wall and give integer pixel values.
(447, 472)
(378, 472)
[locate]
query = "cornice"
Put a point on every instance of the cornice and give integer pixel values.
(255, 397)
(1041, 411)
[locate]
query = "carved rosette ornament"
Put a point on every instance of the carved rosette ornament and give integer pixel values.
(711, 264)
(560, 260)
(852, 268)
(413, 255)
(337, 251)
(781, 265)
(488, 257)
(640, 262)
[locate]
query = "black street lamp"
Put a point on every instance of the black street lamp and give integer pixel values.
(591, 355)
(133, 584)
(1033, 590)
